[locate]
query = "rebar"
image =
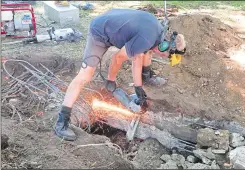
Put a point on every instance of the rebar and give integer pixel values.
(41, 87)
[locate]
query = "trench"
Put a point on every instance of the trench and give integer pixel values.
(118, 136)
(115, 135)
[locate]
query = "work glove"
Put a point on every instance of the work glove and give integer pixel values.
(142, 97)
(110, 86)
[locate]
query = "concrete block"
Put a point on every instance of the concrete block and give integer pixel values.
(237, 157)
(237, 140)
(68, 15)
(192, 159)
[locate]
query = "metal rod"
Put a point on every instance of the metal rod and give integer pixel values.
(13, 42)
(38, 77)
(160, 61)
(165, 9)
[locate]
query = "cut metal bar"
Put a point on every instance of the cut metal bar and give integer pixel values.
(211, 127)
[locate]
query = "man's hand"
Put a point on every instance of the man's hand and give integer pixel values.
(142, 97)
(110, 86)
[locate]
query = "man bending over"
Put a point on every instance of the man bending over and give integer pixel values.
(137, 34)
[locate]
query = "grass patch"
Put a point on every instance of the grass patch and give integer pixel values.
(237, 5)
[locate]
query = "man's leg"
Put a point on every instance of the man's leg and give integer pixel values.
(61, 127)
(84, 76)
(148, 75)
(93, 53)
(116, 63)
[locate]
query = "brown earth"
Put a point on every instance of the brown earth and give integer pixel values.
(201, 86)
(33, 144)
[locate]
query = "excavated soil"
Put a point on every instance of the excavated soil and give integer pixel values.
(205, 75)
(207, 83)
(202, 86)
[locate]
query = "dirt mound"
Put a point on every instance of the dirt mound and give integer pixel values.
(33, 145)
(207, 83)
(204, 76)
(206, 38)
(205, 32)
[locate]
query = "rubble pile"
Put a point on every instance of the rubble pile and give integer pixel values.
(215, 149)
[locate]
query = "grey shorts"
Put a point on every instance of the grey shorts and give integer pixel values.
(94, 50)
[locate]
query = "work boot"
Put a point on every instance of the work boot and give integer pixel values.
(62, 128)
(149, 77)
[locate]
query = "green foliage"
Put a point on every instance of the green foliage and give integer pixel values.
(237, 5)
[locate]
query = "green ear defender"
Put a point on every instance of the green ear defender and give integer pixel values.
(163, 46)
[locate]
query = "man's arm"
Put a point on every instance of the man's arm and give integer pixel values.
(135, 49)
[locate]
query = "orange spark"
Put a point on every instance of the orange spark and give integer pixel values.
(109, 107)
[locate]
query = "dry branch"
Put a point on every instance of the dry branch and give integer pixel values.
(37, 88)
(14, 111)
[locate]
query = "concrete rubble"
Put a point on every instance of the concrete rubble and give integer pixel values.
(165, 157)
(236, 140)
(212, 151)
(191, 159)
(219, 151)
(199, 166)
(206, 138)
(187, 165)
(169, 165)
(215, 139)
(237, 157)
(204, 156)
(179, 159)
(214, 165)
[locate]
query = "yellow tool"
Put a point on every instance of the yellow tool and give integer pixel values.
(175, 59)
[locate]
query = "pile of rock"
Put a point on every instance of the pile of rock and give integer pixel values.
(215, 149)
(176, 161)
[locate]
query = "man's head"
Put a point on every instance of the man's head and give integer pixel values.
(164, 48)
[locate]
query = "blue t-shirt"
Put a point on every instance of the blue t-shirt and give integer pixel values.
(137, 30)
